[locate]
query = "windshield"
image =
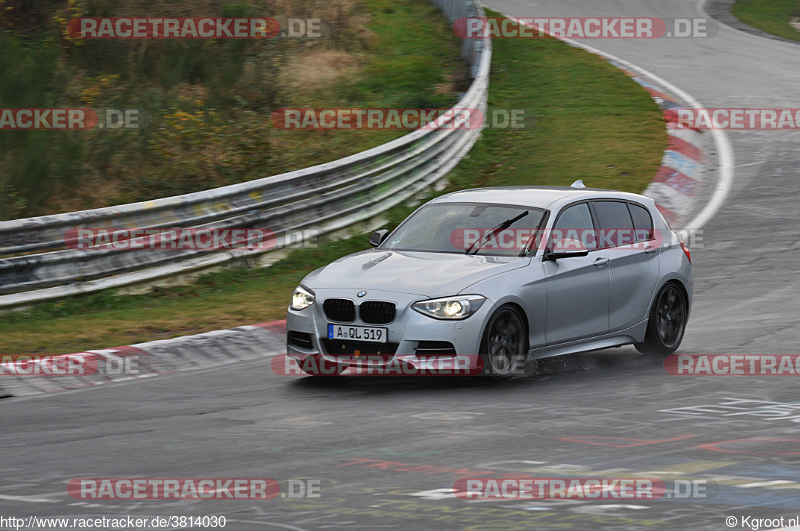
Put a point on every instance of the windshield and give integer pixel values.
(467, 227)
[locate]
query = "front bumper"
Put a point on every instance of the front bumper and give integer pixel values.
(409, 331)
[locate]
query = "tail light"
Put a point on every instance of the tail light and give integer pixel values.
(686, 251)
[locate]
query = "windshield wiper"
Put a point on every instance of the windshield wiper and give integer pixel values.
(492, 233)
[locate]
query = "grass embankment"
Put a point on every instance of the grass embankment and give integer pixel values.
(592, 122)
(772, 16)
(205, 104)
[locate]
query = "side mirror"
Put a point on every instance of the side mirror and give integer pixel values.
(566, 248)
(377, 237)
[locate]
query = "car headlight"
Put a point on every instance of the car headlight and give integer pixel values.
(302, 298)
(459, 307)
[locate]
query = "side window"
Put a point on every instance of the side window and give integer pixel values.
(642, 222)
(576, 223)
(615, 224)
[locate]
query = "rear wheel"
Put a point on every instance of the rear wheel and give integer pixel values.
(667, 322)
(504, 346)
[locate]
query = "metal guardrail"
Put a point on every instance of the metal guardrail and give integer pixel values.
(326, 198)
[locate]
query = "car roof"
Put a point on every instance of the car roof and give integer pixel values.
(536, 196)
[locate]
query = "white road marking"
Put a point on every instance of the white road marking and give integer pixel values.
(29, 499)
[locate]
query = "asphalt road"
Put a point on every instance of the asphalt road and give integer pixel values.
(386, 452)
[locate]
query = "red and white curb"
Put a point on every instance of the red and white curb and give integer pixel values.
(678, 179)
(674, 191)
(146, 360)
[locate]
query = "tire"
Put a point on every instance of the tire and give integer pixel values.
(505, 344)
(666, 323)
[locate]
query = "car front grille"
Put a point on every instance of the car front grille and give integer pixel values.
(370, 312)
(377, 312)
(342, 310)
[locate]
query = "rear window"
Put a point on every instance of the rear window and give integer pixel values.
(615, 224)
(642, 222)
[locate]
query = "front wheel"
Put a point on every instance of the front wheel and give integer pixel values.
(667, 322)
(504, 345)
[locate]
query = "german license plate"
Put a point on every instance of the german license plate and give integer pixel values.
(357, 333)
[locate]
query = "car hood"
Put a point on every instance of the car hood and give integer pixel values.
(418, 273)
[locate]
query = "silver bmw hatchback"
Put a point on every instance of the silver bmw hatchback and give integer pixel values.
(501, 277)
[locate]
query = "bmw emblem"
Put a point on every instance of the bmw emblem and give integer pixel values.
(361, 293)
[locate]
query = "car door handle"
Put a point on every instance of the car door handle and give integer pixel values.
(600, 262)
(650, 249)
